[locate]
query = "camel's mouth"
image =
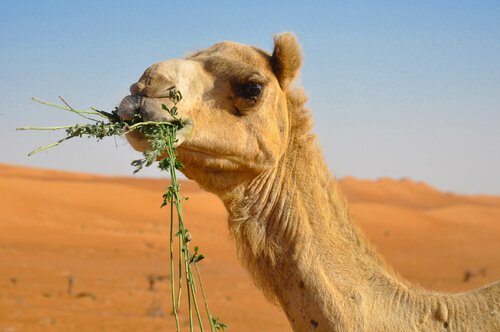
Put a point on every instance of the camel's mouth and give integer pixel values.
(149, 109)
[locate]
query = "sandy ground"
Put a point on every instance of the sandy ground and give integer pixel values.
(77, 251)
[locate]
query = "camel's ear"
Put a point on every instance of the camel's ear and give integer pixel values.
(286, 58)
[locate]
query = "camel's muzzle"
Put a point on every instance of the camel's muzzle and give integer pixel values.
(149, 109)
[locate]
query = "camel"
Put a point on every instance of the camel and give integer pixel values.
(249, 141)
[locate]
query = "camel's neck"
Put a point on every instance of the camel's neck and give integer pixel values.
(296, 237)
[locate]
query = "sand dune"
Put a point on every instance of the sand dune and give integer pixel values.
(77, 251)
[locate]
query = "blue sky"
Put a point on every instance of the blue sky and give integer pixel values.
(399, 89)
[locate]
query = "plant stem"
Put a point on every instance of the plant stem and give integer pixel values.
(148, 123)
(69, 108)
(190, 310)
(195, 303)
(172, 272)
(180, 271)
(212, 327)
(45, 128)
(182, 231)
(50, 145)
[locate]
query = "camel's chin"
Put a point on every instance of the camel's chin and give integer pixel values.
(137, 141)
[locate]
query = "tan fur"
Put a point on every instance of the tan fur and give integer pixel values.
(286, 59)
(291, 225)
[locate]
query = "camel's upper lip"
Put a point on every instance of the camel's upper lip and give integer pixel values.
(128, 107)
(150, 109)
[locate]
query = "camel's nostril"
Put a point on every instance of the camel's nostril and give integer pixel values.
(137, 88)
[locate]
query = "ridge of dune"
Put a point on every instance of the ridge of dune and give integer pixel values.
(18, 170)
(45, 174)
(407, 192)
(109, 235)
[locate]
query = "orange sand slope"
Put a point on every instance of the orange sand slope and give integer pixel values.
(90, 253)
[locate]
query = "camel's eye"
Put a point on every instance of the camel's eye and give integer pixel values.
(251, 90)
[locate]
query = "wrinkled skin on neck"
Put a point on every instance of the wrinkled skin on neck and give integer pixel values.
(249, 142)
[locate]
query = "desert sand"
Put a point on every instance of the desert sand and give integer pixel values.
(82, 252)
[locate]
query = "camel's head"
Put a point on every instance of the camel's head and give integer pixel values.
(235, 101)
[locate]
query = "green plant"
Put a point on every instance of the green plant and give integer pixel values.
(162, 139)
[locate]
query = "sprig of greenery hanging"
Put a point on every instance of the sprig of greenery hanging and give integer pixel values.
(162, 137)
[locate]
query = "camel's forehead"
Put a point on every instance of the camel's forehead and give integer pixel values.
(234, 52)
